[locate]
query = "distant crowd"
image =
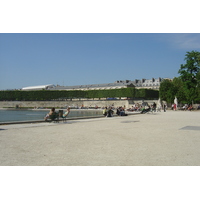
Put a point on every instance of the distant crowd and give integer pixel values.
(121, 111)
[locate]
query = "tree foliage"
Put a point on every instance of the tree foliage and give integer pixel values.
(189, 70)
(186, 87)
(167, 90)
(189, 75)
(179, 90)
(48, 95)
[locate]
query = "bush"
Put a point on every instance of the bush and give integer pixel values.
(47, 95)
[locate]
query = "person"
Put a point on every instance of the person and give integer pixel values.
(174, 107)
(185, 107)
(190, 107)
(165, 106)
(154, 107)
(66, 113)
(105, 111)
(110, 112)
(118, 111)
(146, 109)
(122, 111)
(52, 111)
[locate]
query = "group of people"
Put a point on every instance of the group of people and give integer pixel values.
(108, 112)
(121, 111)
(147, 107)
(187, 107)
(135, 107)
(153, 108)
(53, 112)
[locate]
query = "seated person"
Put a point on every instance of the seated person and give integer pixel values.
(66, 113)
(190, 108)
(110, 112)
(118, 111)
(146, 109)
(105, 111)
(185, 107)
(52, 111)
(122, 112)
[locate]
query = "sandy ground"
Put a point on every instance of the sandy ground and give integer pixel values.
(169, 138)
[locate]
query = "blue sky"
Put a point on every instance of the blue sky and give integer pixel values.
(28, 59)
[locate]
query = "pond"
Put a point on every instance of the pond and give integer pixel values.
(28, 115)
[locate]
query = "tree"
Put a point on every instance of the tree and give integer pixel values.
(189, 70)
(198, 87)
(179, 89)
(167, 91)
(188, 74)
(198, 79)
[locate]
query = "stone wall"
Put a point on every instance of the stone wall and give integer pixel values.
(72, 103)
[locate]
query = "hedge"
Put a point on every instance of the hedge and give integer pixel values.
(47, 95)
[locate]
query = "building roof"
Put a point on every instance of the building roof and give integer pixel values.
(143, 83)
(93, 86)
(39, 87)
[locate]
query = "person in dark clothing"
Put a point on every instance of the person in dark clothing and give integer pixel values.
(110, 112)
(164, 107)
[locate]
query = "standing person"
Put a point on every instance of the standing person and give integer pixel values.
(165, 106)
(174, 107)
(154, 107)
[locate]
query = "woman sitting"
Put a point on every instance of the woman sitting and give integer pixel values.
(66, 113)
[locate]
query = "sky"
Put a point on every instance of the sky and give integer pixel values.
(31, 59)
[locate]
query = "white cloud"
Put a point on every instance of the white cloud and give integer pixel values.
(188, 41)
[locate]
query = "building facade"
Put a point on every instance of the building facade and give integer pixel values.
(137, 83)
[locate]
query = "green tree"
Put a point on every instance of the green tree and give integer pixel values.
(179, 89)
(188, 74)
(167, 91)
(198, 79)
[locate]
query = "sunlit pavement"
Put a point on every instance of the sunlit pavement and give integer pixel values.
(169, 138)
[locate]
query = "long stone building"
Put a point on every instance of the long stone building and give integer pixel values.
(143, 83)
